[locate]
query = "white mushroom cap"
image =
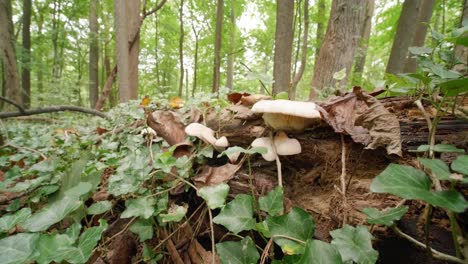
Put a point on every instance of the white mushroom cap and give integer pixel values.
(286, 146)
(202, 132)
(287, 115)
(221, 142)
(265, 142)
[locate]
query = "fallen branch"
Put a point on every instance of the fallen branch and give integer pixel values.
(106, 90)
(20, 108)
(53, 109)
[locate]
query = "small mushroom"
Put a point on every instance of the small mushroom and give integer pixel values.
(287, 115)
(265, 142)
(286, 146)
(202, 132)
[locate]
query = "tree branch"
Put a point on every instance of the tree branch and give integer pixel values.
(52, 109)
(20, 108)
(154, 10)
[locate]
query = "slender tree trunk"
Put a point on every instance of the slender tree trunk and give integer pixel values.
(195, 61)
(26, 68)
(305, 37)
(232, 45)
(283, 45)
(297, 23)
(134, 23)
(93, 53)
(339, 46)
(320, 34)
(460, 51)
(217, 51)
(57, 9)
(404, 36)
(424, 18)
(181, 48)
(156, 49)
(7, 51)
(364, 43)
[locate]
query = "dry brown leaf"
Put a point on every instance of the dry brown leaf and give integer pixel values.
(199, 255)
(236, 97)
(365, 119)
(176, 102)
(168, 125)
(215, 175)
(145, 101)
(252, 99)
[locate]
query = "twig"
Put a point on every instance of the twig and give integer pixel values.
(121, 231)
(343, 177)
(44, 157)
(263, 85)
(265, 251)
(436, 254)
(53, 109)
(20, 108)
(172, 249)
(213, 248)
(290, 238)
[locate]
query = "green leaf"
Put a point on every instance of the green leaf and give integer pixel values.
(239, 252)
(297, 224)
(52, 247)
(282, 95)
(440, 148)
(236, 149)
(410, 183)
(215, 196)
(143, 228)
(386, 217)
(51, 214)
(319, 252)
(438, 168)
(19, 248)
(9, 221)
(237, 215)
(443, 73)
(142, 207)
(79, 190)
(461, 164)
(174, 214)
(272, 203)
(354, 244)
(99, 208)
(454, 87)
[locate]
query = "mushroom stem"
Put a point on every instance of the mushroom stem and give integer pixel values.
(278, 163)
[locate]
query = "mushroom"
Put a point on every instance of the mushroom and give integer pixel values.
(280, 145)
(207, 135)
(287, 115)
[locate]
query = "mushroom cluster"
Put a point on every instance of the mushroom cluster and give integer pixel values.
(206, 134)
(281, 116)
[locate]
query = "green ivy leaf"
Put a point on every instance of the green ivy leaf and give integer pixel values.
(174, 214)
(79, 190)
(419, 50)
(237, 215)
(319, 252)
(438, 168)
(440, 148)
(461, 164)
(143, 228)
(354, 244)
(141, 207)
(272, 203)
(386, 217)
(410, 183)
(19, 248)
(454, 87)
(239, 252)
(297, 224)
(236, 149)
(9, 221)
(51, 214)
(99, 208)
(215, 196)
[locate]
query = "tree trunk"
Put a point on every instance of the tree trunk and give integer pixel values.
(195, 61)
(133, 24)
(364, 43)
(217, 51)
(424, 18)
(26, 67)
(93, 53)
(7, 50)
(181, 48)
(297, 23)
(460, 51)
(403, 36)
(57, 5)
(305, 37)
(339, 45)
(232, 45)
(283, 45)
(319, 35)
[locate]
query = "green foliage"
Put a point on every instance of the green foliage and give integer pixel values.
(143, 228)
(272, 203)
(386, 217)
(410, 183)
(19, 248)
(141, 207)
(215, 196)
(461, 164)
(237, 215)
(240, 252)
(354, 244)
(319, 252)
(9, 221)
(99, 207)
